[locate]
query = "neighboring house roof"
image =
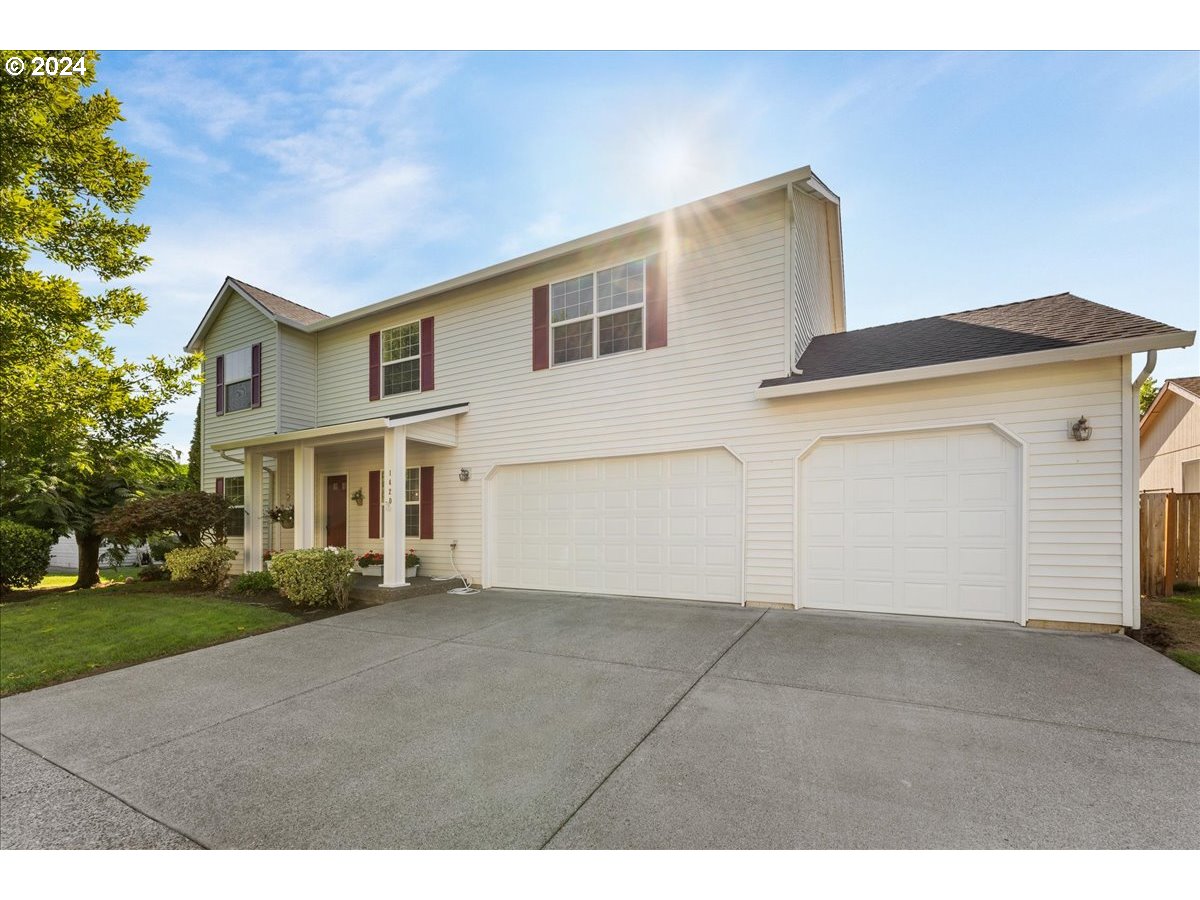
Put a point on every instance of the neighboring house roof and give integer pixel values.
(1188, 388)
(1191, 384)
(803, 179)
(1057, 322)
(279, 306)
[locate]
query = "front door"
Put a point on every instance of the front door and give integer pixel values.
(335, 511)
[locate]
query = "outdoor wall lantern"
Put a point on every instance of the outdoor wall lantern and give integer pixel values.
(1081, 430)
(464, 474)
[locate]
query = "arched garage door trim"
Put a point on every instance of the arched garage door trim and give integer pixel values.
(489, 480)
(1022, 490)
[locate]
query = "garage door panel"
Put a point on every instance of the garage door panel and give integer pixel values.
(656, 525)
(928, 597)
(925, 452)
(825, 526)
(929, 524)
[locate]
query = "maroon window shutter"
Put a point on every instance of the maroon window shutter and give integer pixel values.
(256, 375)
(656, 301)
(541, 327)
(426, 503)
(220, 487)
(427, 353)
(374, 357)
(373, 495)
(220, 385)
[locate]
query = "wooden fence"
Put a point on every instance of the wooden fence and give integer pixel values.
(1170, 551)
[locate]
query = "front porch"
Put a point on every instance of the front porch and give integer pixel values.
(368, 486)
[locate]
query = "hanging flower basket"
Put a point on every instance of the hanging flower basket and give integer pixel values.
(284, 515)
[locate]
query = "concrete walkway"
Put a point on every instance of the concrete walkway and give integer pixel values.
(521, 719)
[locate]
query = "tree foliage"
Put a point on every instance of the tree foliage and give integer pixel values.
(1146, 394)
(79, 425)
(195, 451)
(195, 517)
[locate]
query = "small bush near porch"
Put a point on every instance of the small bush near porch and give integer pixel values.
(315, 577)
(65, 635)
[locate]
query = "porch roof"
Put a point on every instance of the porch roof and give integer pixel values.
(362, 427)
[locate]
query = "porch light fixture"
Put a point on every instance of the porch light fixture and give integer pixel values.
(464, 474)
(1081, 430)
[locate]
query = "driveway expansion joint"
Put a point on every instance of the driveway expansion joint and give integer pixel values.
(683, 695)
(273, 703)
(957, 709)
(108, 793)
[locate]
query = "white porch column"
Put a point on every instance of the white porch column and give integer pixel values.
(304, 465)
(395, 458)
(252, 538)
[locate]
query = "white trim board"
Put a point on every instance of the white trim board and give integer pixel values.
(1100, 350)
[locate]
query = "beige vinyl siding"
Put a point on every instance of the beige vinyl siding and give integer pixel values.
(727, 306)
(298, 382)
(1171, 439)
(437, 431)
(238, 325)
(811, 273)
(728, 291)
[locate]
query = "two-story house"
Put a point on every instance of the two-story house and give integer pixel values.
(674, 408)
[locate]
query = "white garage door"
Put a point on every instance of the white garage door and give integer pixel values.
(660, 525)
(923, 523)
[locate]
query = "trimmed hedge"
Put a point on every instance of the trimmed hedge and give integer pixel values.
(314, 577)
(24, 555)
(253, 582)
(206, 566)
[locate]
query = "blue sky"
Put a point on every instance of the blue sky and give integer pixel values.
(966, 179)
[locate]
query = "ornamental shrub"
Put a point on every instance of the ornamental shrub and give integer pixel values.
(253, 582)
(204, 566)
(24, 555)
(153, 572)
(315, 577)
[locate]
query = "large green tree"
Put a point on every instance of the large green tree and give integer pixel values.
(78, 426)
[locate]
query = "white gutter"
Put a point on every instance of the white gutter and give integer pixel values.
(289, 437)
(1122, 347)
(325, 431)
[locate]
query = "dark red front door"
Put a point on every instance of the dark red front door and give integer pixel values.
(335, 511)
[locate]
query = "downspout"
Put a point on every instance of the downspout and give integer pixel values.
(1134, 445)
(1151, 362)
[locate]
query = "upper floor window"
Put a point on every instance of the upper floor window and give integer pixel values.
(238, 387)
(402, 358)
(598, 314)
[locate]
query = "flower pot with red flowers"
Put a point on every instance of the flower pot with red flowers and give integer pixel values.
(371, 563)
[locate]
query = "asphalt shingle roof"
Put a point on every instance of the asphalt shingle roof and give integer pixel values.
(280, 306)
(1191, 383)
(1044, 323)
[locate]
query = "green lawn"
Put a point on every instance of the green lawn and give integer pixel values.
(61, 580)
(68, 634)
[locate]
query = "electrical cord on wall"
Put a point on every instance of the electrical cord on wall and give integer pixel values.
(466, 585)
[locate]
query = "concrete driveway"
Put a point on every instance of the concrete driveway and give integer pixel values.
(514, 719)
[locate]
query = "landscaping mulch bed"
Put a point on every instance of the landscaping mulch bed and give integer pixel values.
(1171, 625)
(418, 587)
